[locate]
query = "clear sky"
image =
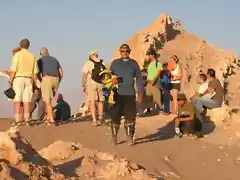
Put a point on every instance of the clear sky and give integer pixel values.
(70, 29)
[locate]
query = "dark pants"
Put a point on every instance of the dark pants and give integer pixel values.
(166, 100)
(37, 100)
(192, 126)
(126, 106)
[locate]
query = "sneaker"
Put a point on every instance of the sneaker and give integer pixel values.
(178, 132)
(94, 123)
(130, 140)
(99, 123)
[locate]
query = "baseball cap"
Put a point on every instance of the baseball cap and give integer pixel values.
(125, 46)
(93, 52)
(181, 96)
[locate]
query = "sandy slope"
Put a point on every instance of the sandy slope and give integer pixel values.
(178, 159)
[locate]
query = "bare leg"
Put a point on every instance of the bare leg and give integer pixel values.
(93, 110)
(100, 113)
(26, 111)
(17, 111)
(49, 112)
(174, 93)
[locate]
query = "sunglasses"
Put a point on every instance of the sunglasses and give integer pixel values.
(123, 51)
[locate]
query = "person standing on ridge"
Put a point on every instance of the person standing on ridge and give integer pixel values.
(153, 88)
(126, 70)
(92, 69)
(23, 74)
(52, 74)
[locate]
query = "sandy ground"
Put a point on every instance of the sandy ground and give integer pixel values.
(213, 157)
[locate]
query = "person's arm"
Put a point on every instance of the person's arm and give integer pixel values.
(13, 69)
(139, 81)
(157, 76)
(85, 73)
(191, 115)
(35, 71)
(60, 71)
(112, 69)
(40, 69)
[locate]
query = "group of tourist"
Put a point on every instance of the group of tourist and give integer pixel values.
(121, 85)
(35, 82)
(163, 84)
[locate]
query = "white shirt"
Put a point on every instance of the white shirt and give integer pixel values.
(202, 88)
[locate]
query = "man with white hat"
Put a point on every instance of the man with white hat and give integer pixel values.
(91, 71)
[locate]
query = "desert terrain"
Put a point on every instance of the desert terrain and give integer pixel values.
(80, 151)
(71, 148)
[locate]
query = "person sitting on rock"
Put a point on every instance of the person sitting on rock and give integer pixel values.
(213, 96)
(202, 80)
(62, 109)
(187, 121)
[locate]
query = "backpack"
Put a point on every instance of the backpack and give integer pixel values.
(98, 68)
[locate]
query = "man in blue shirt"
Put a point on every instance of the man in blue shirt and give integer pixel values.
(126, 70)
(51, 73)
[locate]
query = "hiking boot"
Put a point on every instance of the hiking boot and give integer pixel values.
(178, 132)
(130, 141)
(114, 130)
(130, 131)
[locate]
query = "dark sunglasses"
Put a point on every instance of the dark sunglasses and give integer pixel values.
(128, 51)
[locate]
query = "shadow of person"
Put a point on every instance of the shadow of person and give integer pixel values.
(163, 133)
(62, 109)
(168, 132)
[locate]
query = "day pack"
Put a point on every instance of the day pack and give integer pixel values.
(98, 68)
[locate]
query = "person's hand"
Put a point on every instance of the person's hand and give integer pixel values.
(115, 80)
(10, 83)
(139, 98)
(84, 89)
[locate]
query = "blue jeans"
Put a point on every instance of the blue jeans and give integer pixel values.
(201, 102)
(166, 100)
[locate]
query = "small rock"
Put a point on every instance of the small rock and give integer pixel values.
(238, 134)
(166, 158)
(238, 160)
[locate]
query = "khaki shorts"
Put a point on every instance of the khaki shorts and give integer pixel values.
(95, 92)
(23, 89)
(153, 92)
(48, 86)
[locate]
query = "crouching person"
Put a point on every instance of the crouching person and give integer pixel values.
(187, 121)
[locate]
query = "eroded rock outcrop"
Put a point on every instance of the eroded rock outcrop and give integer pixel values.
(90, 164)
(20, 161)
(195, 56)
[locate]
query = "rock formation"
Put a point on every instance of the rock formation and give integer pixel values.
(195, 56)
(61, 161)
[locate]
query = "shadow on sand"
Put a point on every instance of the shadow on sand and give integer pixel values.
(167, 132)
(69, 168)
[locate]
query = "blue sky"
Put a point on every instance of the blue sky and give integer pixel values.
(70, 29)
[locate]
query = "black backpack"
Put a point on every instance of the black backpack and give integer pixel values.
(98, 68)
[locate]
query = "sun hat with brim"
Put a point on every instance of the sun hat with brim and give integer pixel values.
(93, 52)
(181, 96)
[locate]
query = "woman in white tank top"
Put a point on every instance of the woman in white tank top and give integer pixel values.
(176, 76)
